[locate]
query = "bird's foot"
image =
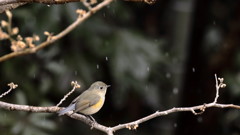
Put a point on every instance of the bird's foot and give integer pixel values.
(93, 121)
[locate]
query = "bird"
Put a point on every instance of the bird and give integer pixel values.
(89, 102)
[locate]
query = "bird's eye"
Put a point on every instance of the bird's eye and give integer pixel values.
(101, 88)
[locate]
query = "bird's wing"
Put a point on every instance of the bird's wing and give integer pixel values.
(86, 101)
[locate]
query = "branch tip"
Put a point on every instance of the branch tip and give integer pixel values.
(12, 85)
(223, 85)
(75, 84)
(132, 126)
(150, 1)
(81, 12)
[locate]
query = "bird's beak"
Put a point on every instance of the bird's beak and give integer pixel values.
(108, 86)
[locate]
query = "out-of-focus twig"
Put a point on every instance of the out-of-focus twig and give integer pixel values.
(60, 35)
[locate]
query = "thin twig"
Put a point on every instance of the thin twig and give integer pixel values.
(218, 86)
(75, 86)
(217, 89)
(88, 5)
(12, 86)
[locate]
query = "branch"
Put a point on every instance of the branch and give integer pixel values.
(218, 86)
(110, 130)
(53, 39)
(12, 86)
(11, 4)
(196, 110)
(134, 124)
(5, 2)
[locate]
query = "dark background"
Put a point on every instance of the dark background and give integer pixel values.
(155, 57)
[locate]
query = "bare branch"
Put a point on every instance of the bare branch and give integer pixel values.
(173, 110)
(5, 7)
(27, 108)
(196, 110)
(75, 86)
(5, 2)
(110, 130)
(11, 4)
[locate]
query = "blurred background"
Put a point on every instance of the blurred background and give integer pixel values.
(155, 57)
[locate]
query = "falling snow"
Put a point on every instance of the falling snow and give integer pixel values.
(146, 87)
(168, 75)
(97, 66)
(75, 72)
(166, 54)
(193, 69)
(175, 91)
(199, 119)
(148, 69)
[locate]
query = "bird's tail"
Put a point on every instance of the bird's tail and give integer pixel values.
(65, 110)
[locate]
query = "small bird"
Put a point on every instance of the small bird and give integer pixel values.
(89, 102)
